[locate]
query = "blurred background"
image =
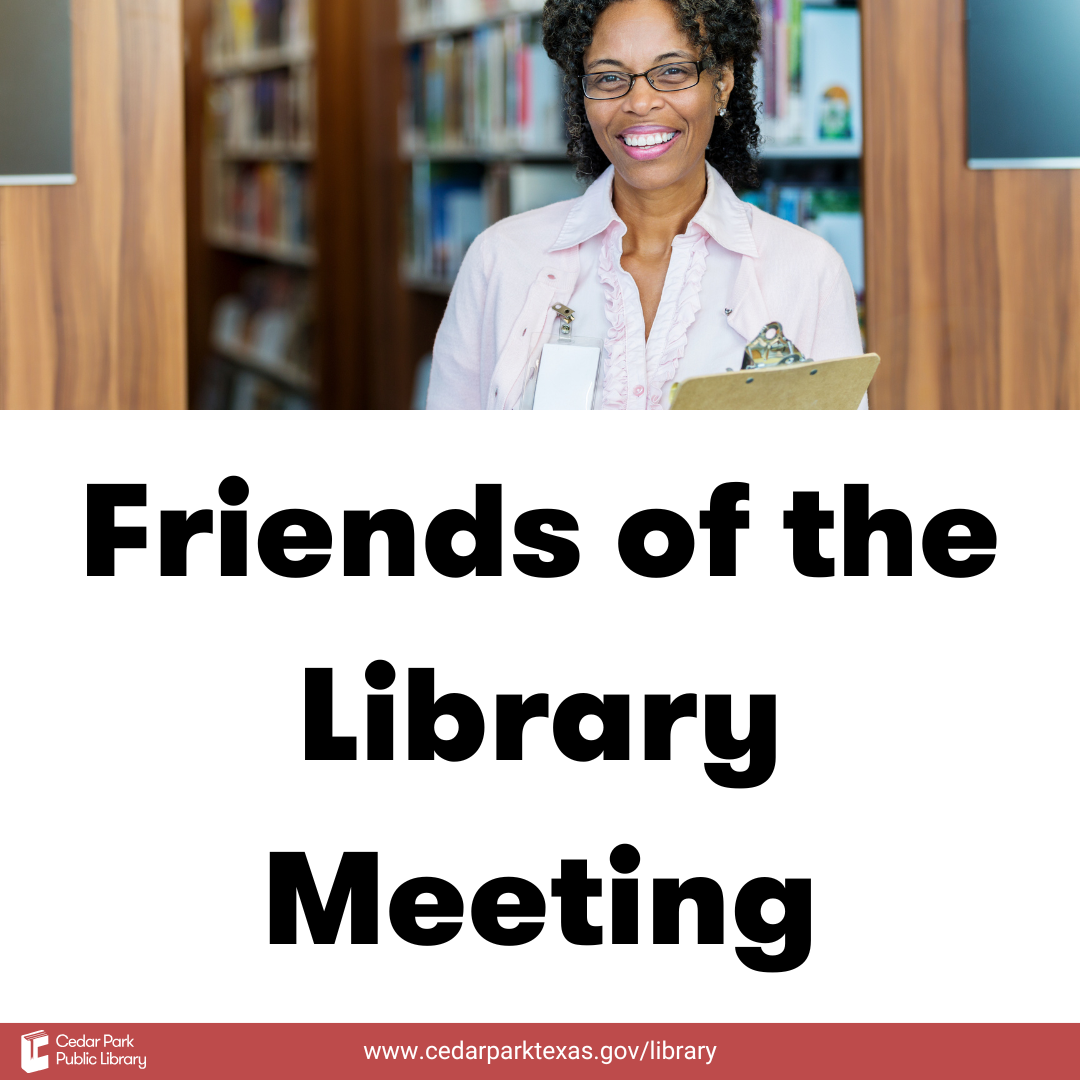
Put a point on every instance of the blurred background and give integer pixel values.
(262, 204)
(343, 155)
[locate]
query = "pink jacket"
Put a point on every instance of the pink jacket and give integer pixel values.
(500, 312)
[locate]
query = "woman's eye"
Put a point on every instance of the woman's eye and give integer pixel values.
(609, 78)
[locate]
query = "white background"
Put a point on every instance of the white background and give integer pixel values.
(152, 735)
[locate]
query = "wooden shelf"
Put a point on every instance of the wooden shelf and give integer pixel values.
(289, 254)
(408, 34)
(434, 286)
(264, 152)
(281, 371)
(222, 67)
(803, 152)
(363, 323)
(482, 154)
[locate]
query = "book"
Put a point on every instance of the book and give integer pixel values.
(491, 89)
(449, 210)
(241, 27)
(267, 202)
(832, 78)
(809, 77)
(272, 112)
(261, 343)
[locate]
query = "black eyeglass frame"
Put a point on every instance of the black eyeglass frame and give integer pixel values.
(701, 65)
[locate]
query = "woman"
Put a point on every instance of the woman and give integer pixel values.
(658, 258)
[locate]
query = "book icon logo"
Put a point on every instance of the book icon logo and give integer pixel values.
(32, 1061)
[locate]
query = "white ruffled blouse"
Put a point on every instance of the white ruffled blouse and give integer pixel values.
(734, 270)
(690, 334)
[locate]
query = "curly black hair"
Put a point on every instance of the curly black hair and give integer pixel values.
(726, 32)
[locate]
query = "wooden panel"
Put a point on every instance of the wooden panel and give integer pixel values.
(92, 311)
(363, 311)
(201, 277)
(973, 278)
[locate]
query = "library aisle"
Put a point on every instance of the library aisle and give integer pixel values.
(256, 174)
(279, 322)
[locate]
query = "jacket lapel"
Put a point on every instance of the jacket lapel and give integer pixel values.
(749, 315)
(555, 283)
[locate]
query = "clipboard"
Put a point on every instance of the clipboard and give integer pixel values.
(806, 384)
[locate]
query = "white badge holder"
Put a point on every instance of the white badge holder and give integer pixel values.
(569, 373)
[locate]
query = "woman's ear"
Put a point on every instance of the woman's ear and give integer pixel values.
(725, 84)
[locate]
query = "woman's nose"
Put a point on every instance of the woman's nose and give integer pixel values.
(643, 97)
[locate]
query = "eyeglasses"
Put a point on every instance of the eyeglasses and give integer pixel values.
(666, 78)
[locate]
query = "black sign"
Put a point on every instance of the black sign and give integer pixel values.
(35, 92)
(1022, 84)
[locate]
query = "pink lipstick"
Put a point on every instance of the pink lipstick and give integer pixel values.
(647, 142)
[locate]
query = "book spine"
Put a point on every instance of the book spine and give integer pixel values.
(493, 89)
(266, 202)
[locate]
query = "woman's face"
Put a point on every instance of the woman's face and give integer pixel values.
(653, 138)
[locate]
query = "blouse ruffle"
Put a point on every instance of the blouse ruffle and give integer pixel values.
(616, 373)
(616, 369)
(686, 313)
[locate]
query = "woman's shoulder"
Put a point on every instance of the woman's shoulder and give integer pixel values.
(532, 232)
(781, 242)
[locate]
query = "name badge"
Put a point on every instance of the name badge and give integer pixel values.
(570, 372)
(567, 377)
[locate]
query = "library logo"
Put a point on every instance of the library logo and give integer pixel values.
(32, 1061)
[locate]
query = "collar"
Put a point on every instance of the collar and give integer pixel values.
(722, 215)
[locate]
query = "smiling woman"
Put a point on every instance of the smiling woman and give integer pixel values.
(659, 258)
(731, 30)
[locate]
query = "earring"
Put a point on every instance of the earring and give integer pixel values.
(722, 112)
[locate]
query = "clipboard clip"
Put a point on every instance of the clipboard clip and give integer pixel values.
(770, 348)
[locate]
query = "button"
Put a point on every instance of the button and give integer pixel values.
(638, 391)
(551, 277)
(654, 398)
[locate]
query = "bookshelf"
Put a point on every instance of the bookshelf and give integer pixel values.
(420, 19)
(258, 162)
(228, 57)
(809, 82)
(297, 309)
(809, 79)
(242, 243)
(482, 128)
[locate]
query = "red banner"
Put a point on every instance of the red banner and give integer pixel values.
(762, 1051)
